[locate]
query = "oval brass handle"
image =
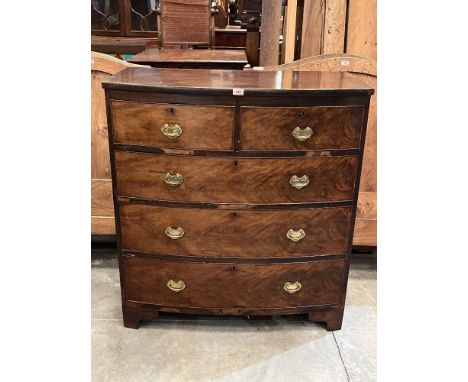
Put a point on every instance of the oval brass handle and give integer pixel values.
(174, 232)
(295, 235)
(176, 286)
(302, 134)
(173, 180)
(292, 287)
(299, 182)
(171, 131)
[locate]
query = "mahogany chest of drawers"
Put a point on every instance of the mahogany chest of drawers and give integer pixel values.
(235, 191)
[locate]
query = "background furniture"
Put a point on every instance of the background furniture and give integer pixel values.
(102, 209)
(123, 26)
(364, 69)
(198, 30)
(235, 202)
(314, 27)
(230, 38)
(191, 58)
(186, 22)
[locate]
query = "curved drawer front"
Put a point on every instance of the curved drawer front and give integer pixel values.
(173, 125)
(234, 233)
(301, 128)
(208, 285)
(235, 180)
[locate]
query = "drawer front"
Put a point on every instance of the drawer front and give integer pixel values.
(234, 233)
(301, 128)
(152, 124)
(235, 180)
(208, 285)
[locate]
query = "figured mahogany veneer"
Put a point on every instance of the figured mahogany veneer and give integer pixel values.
(225, 211)
(231, 233)
(333, 127)
(242, 286)
(235, 180)
(203, 127)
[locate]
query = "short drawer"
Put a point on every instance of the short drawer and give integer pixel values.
(218, 285)
(221, 233)
(301, 128)
(172, 125)
(235, 180)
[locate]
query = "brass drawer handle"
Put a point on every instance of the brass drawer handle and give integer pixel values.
(174, 232)
(302, 134)
(292, 287)
(299, 183)
(171, 131)
(176, 286)
(295, 235)
(173, 180)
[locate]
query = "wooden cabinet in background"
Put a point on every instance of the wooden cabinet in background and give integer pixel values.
(124, 18)
(123, 26)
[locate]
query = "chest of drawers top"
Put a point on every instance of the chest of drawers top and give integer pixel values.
(246, 83)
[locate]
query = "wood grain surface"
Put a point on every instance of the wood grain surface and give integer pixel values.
(313, 22)
(369, 165)
(102, 211)
(366, 224)
(230, 38)
(100, 162)
(102, 225)
(335, 26)
(101, 197)
(367, 205)
(156, 55)
(271, 128)
(222, 82)
(235, 180)
(235, 207)
(211, 285)
(203, 127)
(365, 232)
(121, 45)
(365, 70)
(222, 233)
(362, 28)
(185, 22)
(271, 30)
(329, 63)
(289, 38)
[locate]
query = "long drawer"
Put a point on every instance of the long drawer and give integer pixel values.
(221, 233)
(301, 128)
(216, 285)
(172, 125)
(235, 180)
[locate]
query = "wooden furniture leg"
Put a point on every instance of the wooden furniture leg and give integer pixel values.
(332, 318)
(131, 319)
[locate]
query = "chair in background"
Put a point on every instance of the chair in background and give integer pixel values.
(186, 23)
(102, 208)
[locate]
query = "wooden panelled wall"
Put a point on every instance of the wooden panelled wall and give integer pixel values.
(326, 26)
(335, 35)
